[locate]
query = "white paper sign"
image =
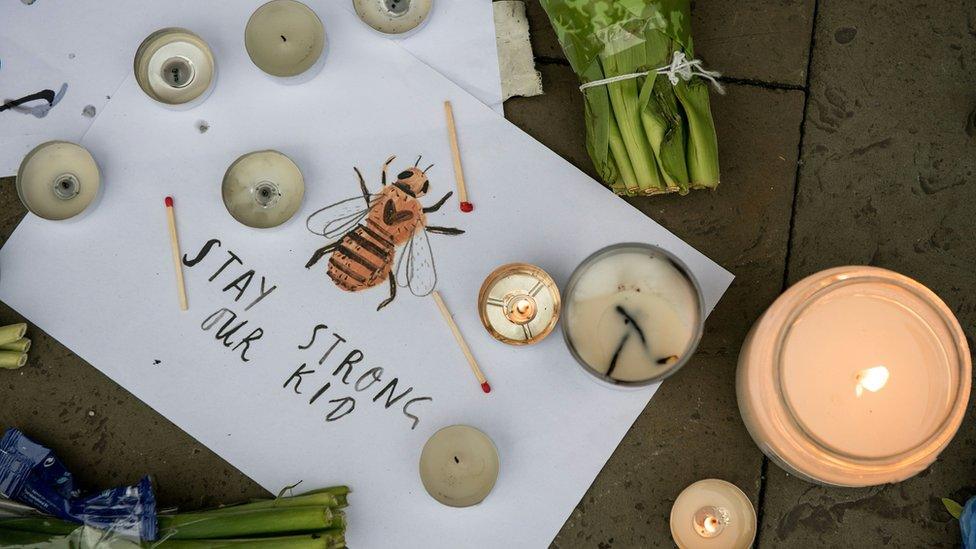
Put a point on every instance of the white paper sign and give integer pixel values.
(88, 47)
(103, 284)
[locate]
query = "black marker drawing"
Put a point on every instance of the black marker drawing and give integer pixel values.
(363, 233)
(39, 111)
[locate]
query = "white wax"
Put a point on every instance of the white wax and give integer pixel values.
(622, 296)
(284, 38)
(459, 466)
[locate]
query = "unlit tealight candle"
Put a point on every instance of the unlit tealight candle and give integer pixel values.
(393, 17)
(633, 313)
(58, 180)
(284, 38)
(459, 466)
(175, 66)
(263, 189)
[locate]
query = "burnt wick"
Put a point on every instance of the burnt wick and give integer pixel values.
(456, 460)
(616, 354)
(283, 39)
(630, 320)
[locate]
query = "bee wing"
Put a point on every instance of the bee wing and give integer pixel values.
(335, 220)
(415, 266)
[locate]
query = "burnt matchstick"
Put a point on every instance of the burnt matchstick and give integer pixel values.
(175, 245)
(460, 341)
(456, 154)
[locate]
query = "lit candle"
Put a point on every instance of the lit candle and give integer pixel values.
(459, 466)
(174, 66)
(713, 514)
(633, 314)
(263, 189)
(284, 38)
(519, 304)
(855, 376)
(394, 17)
(57, 180)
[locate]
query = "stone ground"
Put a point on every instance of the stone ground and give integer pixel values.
(848, 136)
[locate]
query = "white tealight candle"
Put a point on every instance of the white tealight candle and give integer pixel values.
(58, 180)
(633, 314)
(713, 514)
(263, 189)
(459, 466)
(284, 38)
(174, 66)
(393, 17)
(855, 376)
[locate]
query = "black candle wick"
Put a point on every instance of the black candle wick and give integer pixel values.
(616, 354)
(630, 320)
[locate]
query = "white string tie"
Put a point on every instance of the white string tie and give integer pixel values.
(680, 68)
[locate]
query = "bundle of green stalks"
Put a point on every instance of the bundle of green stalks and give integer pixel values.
(645, 135)
(13, 346)
(313, 520)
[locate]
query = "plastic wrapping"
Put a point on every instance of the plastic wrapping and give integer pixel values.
(32, 475)
(651, 131)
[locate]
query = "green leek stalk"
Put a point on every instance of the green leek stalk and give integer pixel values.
(225, 524)
(13, 332)
(321, 499)
(39, 525)
(326, 539)
(11, 360)
(702, 142)
(22, 345)
(21, 538)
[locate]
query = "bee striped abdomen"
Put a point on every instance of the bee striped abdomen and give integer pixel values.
(362, 259)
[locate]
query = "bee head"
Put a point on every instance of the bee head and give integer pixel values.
(414, 181)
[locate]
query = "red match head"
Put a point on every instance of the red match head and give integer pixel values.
(169, 201)
(467, 207)
(485, 387)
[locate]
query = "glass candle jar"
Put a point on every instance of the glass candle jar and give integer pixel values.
(633, 314)
(855, 376)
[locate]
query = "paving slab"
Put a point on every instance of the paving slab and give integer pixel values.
(888, 179)
(763, 40)
(691, 429)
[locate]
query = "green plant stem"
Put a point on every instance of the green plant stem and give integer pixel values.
(40, 525)
(702, 149)
(320, 499)
(326, 539)
(22, 345)
(226, 524)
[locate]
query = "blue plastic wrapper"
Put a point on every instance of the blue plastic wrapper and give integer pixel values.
(33, 475)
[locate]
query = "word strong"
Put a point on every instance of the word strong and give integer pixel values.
(347, 378)
(244, 286)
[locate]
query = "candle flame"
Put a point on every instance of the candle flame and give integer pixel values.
(871, 379)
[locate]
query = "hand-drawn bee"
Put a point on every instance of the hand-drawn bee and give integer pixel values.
(363, 251)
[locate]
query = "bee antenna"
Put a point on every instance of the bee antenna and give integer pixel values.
(418, 161)
(427, 168)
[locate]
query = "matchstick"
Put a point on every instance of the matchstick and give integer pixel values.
(456, 153)
(461, 343)
(175, 244)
